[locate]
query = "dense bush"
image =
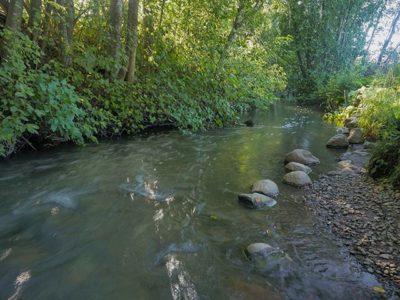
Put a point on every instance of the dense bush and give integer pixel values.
(340, 88)
(385, 160)
(44, 102)
(35, 102)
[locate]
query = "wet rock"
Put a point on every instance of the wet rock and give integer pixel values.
(357, 157)
(356, 136)
(259, 249)
(338, 141)
(343, 130)
(294, 166)
(266, 187)
(302, 156)
(351, 122)
(297, 179)
(347, 166)
(256, 200)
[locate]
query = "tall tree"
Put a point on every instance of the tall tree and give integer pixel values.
(14, 15)
(35, 11)
(132, 38)
(66, 24)
(389, 37)
(115, 28)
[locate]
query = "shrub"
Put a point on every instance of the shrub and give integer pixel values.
(34, 102)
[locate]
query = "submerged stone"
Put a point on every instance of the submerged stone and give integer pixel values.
(259, 249)
(256, 200)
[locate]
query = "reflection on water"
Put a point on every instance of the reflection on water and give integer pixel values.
(157, 217)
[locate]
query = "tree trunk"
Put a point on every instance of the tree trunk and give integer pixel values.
(115, 27)
(46, 26)
(65, 28)
(375, 24)
(34, 18)
(132, 38)
(148, 22)
(392, 31)
(14, 15)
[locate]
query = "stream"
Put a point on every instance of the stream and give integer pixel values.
(157, 217)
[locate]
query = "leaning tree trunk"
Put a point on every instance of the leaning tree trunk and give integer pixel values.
(132, 38)
(14, 15)
(389, 37)
(237, 23)
(34, 18)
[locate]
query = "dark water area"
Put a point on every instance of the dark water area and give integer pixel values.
(157, 217)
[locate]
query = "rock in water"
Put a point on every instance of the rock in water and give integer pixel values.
(302, 156)
(259, 249)
(249, 123)
(351, 122)
(338, 141)
(266, 187)
(297, 179)
(343, 130)
(356, 136)
(294, 166)
(256, 200)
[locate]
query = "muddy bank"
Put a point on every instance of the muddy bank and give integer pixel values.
(364, 216)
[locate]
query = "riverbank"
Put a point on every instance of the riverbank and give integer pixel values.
(362, 215)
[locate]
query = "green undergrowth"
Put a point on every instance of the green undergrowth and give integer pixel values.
(43, 102)
(377, 108)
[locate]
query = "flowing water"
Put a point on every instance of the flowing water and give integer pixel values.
(157, 217)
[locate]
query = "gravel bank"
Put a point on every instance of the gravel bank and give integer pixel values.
(365, 217)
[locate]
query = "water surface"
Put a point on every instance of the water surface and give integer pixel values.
(157, 217)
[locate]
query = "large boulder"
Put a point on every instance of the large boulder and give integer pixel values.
(297, 179)
(338, 141)
(302, 156)
(256, 200)
(356, 136)
(351, 122)
(266, 187)
(294, 166)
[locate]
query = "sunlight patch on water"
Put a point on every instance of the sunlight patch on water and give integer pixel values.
(181, 285)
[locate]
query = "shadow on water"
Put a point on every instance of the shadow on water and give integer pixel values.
(157, 217)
